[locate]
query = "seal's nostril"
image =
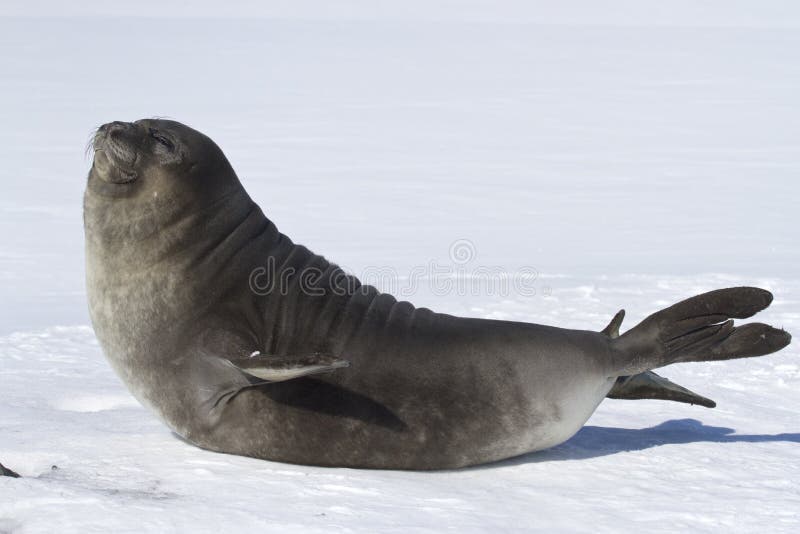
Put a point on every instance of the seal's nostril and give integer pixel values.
(119, 125)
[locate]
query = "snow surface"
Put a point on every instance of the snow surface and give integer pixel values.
(633, 155)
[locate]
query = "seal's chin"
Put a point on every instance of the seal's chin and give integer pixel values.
(109, 170)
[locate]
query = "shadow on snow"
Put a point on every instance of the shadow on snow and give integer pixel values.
(595, 441)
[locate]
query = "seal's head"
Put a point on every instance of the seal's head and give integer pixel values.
(154, 150)
(124, 149)
(148, 174)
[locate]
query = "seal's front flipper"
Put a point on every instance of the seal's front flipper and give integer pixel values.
(280, 368)
(649, 385)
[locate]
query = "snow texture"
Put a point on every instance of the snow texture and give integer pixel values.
(632, 155)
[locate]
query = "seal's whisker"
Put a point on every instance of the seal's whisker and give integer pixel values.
(89, 149)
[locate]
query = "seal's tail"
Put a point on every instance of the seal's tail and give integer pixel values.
(699, 329)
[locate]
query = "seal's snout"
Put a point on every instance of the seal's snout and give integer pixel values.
(117, 126)
(121, 132)
(116, 147)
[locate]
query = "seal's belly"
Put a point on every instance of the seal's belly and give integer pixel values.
(574, 410)
(310, 421)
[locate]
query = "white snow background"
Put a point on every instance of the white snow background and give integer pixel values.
(633, 152)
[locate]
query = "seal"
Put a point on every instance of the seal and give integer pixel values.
(244, 342)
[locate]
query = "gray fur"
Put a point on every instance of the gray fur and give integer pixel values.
(172, 240)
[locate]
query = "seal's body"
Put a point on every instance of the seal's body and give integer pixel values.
(246, 343)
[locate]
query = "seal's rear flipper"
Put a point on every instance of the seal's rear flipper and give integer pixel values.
(280, 368)
(649, 385)
(699, 329)
(612, 330)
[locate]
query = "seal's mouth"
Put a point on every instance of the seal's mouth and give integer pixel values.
(116, 152)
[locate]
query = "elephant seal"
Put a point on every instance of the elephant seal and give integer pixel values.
(211, 318)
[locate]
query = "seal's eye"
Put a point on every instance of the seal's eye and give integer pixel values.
(161, 139)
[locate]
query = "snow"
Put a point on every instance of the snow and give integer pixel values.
(630, 155)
